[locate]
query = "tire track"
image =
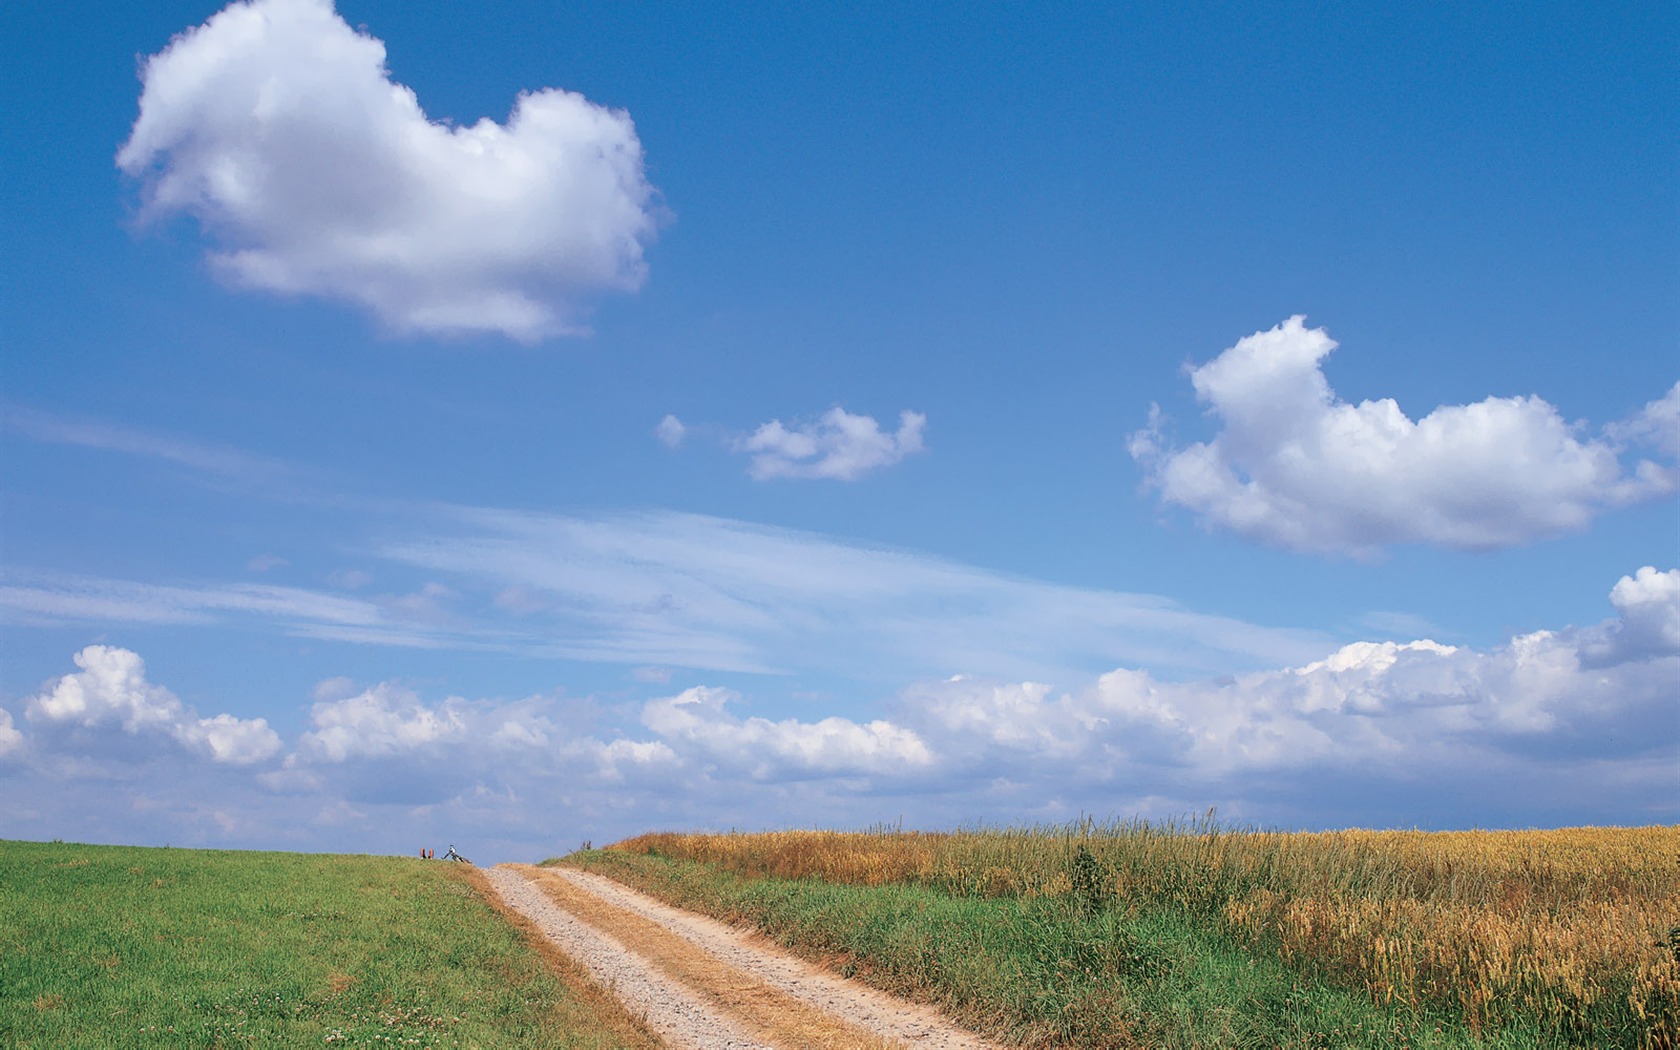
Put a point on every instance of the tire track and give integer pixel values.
(702, 983)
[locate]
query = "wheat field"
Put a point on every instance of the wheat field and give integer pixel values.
(1576, 930)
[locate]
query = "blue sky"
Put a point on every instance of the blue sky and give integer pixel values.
(532, 423)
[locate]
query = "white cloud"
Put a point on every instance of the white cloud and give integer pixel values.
(1378, 711)
(52, 596)
(111, 690)
(384, 720)
(1657, 425)
(1649, 622)
(838, 445)
(216, 461)
(697, 718)
(237, 741)
(11, 738)
(675, 590)
(111, 686)
(1574, 725)
(279, 128)
(685, 590)
(1295, 466)
(670, 431)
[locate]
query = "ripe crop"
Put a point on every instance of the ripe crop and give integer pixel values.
(1572, 932)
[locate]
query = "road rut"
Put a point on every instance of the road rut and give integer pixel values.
(701, 983)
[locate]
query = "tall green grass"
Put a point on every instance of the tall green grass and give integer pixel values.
(127, 947)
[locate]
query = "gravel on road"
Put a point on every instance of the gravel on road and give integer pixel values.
(703, 983)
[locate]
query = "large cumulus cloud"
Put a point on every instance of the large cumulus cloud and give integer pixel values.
(1295, 466)
(110, 693)
(279, 128)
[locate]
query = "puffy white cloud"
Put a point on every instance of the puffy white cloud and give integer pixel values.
(670, 431)
(279, 129)
(1649, 604)
(111, 690)
(698, 718)
(11, 738)
(1295, 466)
(383, 720)
(1649, 622)
(237, 741)
(838, 445)
(111, 687)
(1375, 710)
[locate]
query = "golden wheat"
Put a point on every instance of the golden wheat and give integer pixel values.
(1551, 924)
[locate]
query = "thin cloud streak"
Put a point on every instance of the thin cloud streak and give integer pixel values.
(214, 460)
(796, 600)
(684, 590)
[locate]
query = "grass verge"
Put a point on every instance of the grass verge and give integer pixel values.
(104, 946)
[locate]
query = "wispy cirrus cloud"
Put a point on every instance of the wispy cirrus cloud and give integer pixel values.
(665, 589)
(59, 597)
(1294, 466)
(212, 461)
(689, 590)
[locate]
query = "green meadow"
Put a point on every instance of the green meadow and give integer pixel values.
(104, 946)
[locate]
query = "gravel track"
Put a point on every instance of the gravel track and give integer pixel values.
(679, 1015)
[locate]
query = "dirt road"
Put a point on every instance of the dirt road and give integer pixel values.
(701, 983)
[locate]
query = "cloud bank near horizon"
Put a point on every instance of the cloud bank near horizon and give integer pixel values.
(279, 129)
(1294, 466)
(1577, 724)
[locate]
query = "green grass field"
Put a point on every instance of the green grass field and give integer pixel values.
(106, 946)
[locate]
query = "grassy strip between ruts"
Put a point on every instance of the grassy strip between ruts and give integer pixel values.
(770, 1014)
(108, 946)
(1035, 972)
